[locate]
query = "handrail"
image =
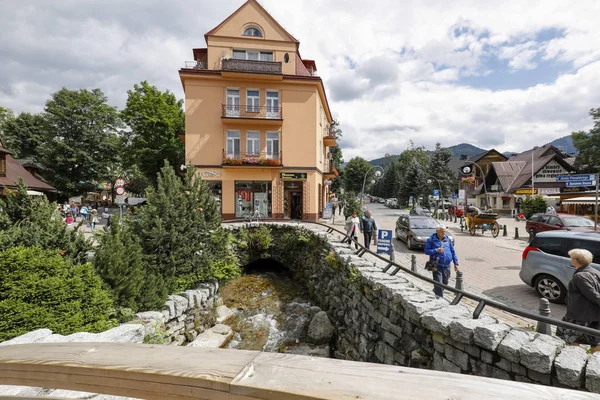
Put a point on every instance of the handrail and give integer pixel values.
(190, 373)
(482, 301)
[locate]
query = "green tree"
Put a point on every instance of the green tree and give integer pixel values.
(439, 172)
(18, 205)
(354, 174)
(412, 184)
(78, 148)
(588, 144)
(412, 153)
(25, 134)
(532, 205)
(118, 261)
(155, 120)
(351, 204)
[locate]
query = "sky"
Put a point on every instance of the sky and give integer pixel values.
(496, 74)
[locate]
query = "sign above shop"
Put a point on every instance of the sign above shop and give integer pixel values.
(525, 191)
(573, 189)
(550, 172)
(293, 176)
(211, 174)
(549, 190)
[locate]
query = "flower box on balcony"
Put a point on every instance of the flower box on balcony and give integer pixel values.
(268, 161)
(232, 161)
(251, 160)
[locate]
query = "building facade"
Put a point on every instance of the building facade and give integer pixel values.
(257, 119)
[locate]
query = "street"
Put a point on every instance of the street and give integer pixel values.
(490, 265)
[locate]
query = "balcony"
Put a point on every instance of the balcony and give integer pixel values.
(251, 66)
(261, 160)
(195, 65)
(329, 138)
(243, 114)
(329, 170)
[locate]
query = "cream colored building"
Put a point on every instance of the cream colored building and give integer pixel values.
(257, 119)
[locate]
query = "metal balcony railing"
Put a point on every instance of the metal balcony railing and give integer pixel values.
(252, 66)
(195, 64)
(328, 133)
(251, 112)
(264, 159)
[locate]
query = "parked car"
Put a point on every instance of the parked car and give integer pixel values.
(381, 200)
(459, 210)
(546, 265)
(391, 202)
(550, 222)
(418, 210)
(416, 229)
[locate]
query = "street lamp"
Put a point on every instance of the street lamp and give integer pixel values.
(440, 188)
(467, 169)
(532, 174)
(377, 175)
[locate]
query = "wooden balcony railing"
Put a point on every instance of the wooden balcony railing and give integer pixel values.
(256, 159)
(252, 112)
(251, 66)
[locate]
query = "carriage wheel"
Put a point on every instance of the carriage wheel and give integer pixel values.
(495, 229)
(472, 229)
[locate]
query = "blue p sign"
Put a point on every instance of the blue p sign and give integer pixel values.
(384, 241)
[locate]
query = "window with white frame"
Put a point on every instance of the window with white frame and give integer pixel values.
(273, 145)
(252, 100)
(253, 55)
(232, 105)
(253, 143)
(233, 144)
(252, 31)
(273, 104)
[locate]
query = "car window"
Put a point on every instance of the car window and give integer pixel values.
(591, 245)
(555, 246)
(578, 222)
(535, 217)
(543, 219)
(554, 221)
(423, 223)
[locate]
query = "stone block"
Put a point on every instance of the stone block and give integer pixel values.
(518, 369)
(392, 340)
(419, 303)
(448, 366)
(29, 337)
(223, 313)
(439, 347)
(520, 378)
(473, 351)
(149, 316)
(487, 357)
(511, 345)
(420, 359)
(180, 303)
(592, 373)
(480, 368)
(438, 337)
(457, 357)
(438, 362)
(455, 344)
(569, 366)
(462, 330)
(545, 379)
(504, 364)
(539, 355)
(408, 344)
(439, 320)
(170, 309)
(376, 315)
(490, 336)
(387, 325)
(174, 327)
(214, 338)
(384, 353)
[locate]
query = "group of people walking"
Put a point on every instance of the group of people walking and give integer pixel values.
(87, 213)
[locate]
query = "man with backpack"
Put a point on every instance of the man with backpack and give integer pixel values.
(439, 248)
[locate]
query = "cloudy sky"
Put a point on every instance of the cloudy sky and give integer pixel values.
(503, 74)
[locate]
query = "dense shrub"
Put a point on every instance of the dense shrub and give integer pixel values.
(41, 289)
(351, 203)
(530, 206)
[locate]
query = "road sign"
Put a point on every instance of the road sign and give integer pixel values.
(120, 191)
(571, 178)
(454, 196)
(120, 182)
(384, 241)
(436, 194)
(581, 183)
(120, 199)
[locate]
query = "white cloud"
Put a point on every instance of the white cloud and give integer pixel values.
(392, 69)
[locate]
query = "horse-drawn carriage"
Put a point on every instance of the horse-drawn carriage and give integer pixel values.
(485, 221)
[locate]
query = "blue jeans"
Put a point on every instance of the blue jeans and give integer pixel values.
(442, 275)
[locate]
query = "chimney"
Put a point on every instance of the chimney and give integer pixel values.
(463, 157)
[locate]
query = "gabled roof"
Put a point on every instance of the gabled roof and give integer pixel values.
(485, 154)
(507, 172)
(216, 28)
(14, 171)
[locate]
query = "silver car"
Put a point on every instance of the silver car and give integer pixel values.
(546, 265)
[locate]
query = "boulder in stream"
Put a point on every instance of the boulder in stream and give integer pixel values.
(223, 312)
(213, 338)
(320, 330)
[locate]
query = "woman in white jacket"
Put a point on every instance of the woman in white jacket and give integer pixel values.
(352, 227)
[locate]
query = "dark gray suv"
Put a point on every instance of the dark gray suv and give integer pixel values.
(546, 265)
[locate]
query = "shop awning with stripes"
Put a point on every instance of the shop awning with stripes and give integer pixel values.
(588, 200)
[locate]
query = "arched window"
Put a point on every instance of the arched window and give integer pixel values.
(252, 31)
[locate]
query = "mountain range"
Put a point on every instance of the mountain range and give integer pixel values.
(564, 143)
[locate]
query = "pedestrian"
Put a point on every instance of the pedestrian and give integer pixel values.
(84, 211)
(334, 205)
(583, 305)
(367, 228)
(439, 248)
(94, 219)
(66, 209)
(69, 219)
(340, 205)
(74, 211)
(352, 228)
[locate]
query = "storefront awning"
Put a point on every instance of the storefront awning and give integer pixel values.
(588, 200)
(34, 193)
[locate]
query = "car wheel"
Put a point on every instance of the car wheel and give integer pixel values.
(409, 243)
(550, 288)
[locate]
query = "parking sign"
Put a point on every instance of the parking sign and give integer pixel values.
(384, 241)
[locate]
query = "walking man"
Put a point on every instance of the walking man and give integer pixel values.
(341, 205)
(367, 227)
(440, 248)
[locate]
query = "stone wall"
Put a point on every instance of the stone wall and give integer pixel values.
(385, 319)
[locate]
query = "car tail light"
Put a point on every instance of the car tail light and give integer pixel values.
(528, 249)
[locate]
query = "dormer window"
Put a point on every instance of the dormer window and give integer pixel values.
(252, 31)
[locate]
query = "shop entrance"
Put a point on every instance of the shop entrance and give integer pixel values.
(293, 200)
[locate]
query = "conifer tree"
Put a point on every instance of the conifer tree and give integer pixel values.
(412, 185)
(351, 203)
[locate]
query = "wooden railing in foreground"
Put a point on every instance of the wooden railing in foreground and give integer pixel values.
(182, 373)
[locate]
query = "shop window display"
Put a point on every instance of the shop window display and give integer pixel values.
(253, 198)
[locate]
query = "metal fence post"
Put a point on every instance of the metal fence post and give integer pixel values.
(459, 280)
(413, 263)
(505, 233)
(543, 327)
(516, 232)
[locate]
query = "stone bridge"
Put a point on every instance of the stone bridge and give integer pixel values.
(379, 318)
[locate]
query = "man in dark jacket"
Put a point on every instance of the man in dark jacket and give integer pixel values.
(367, 227)
(583, 300)
(439, 247)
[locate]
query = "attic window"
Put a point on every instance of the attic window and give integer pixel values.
(252, 31)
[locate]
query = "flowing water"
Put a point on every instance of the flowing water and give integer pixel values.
(271, 313)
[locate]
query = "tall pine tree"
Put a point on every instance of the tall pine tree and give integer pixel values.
(412, 185)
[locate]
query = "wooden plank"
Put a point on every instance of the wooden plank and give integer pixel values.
(181, 371)
(288, 377)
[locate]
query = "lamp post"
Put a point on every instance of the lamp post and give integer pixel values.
(440, 188)
(532, 173)
(377, 175)
(467, 170)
